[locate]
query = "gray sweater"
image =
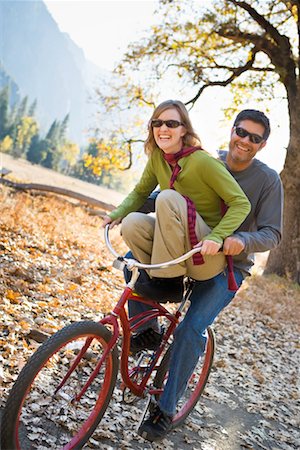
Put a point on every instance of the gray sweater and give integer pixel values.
(261, 230)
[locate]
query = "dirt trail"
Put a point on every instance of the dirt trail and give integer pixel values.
(27, 172)
(251, 401)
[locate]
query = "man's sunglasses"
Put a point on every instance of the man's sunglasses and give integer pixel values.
(156, 123)
(254, 138)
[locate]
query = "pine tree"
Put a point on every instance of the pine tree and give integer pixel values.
(4, 113)
(22, 109)
(63, 128)
(32, 108)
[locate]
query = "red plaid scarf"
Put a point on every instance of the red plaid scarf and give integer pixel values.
(173, 159)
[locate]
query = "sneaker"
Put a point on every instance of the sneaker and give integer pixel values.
(156, 427)
(146, 340)
(161, 289)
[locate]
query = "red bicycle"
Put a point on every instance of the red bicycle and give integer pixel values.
(62, 393)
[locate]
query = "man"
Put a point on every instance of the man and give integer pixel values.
(261, 231)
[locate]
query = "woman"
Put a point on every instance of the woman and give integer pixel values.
(187, 215)
(190, 211)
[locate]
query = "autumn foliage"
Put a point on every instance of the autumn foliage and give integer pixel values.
(55, 269)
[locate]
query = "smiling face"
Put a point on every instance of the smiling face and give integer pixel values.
(169, 140)
(241, 149)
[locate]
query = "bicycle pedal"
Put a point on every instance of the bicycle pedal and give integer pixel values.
(150, 406)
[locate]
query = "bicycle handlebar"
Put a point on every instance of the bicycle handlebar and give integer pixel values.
(130, 262)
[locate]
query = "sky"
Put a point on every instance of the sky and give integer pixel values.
(104, 28)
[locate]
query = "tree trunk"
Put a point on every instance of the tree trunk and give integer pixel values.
(285, 260)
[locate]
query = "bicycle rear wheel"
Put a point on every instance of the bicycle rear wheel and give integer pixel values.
(196, 382)
(44, 408)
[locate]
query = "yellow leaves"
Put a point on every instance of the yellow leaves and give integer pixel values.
(13, 297)
(111, 156)
(42, 304)
(88, 159)
(70, 151)
(27, 128)
(295, 12)
(50, 256)
(6, 144)
(55, 303)
(72, 287)
(25, 326)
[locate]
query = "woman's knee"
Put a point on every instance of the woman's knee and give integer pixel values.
(137, 223)
(130, 223)
(169, 197)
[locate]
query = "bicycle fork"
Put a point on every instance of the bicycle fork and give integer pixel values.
(112, 321)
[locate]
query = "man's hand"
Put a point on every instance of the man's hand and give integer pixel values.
(233, 246)
(108, 220)
(208, 247)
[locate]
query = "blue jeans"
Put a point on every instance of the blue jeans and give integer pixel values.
(135, 307)
(206, 302)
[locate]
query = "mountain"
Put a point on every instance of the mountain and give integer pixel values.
(46, 65)
(6, 80)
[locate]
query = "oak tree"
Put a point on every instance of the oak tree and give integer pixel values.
(246, 45)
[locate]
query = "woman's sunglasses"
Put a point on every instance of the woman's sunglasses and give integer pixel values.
(156, 123)
(254, 138)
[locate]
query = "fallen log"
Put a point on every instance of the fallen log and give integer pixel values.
(60, 191)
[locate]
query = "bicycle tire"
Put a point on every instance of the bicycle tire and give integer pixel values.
(196, 383)
(27, 411)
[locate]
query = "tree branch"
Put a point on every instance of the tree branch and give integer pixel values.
(236, 73)
(280, 55)
(265, 24)
(129, 143)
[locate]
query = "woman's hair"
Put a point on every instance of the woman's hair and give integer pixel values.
(189, 139)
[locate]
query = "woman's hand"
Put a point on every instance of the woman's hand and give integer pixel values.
(209, 247)
(108, 220)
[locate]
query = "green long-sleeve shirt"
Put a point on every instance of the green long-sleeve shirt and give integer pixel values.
(204, 180)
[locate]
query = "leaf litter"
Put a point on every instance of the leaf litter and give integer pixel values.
(55, 270)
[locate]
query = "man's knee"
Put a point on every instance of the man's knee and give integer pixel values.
(191, 334)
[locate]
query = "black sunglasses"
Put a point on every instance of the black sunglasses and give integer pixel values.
(156, 123)
(254, 138)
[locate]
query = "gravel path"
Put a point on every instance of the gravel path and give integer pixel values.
(250, 401)
(252, 398)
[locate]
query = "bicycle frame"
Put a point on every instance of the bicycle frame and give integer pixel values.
(145, 376)
(130, 325)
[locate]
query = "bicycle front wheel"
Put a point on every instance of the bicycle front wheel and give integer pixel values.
(196, 382)
(62, 392)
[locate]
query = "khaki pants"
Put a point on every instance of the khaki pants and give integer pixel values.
(154, 240)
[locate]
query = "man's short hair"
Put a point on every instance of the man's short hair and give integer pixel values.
(255, 116)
